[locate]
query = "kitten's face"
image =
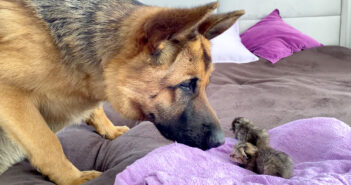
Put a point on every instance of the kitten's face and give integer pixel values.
(239, 157)
(243, 153)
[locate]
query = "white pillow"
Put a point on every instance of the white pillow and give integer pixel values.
(227, 48)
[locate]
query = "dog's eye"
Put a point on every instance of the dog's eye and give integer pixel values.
(189, 85)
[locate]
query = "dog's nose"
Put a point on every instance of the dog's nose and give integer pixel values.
(216, 138)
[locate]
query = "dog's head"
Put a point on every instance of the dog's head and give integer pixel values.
(161, 72)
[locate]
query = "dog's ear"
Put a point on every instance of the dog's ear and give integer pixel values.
(218, 23)
(168, 23)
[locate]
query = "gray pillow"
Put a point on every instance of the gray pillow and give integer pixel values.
(87, 150)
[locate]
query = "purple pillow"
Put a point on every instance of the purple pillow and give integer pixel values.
(273, 39)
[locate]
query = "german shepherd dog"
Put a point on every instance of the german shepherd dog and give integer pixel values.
(59, 59)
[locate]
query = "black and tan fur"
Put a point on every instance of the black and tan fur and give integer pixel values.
(253, 152)
(60, 59)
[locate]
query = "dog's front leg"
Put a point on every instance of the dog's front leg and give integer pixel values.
(23, 123)
(103, 125)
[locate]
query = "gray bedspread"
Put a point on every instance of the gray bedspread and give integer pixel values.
(315, 82)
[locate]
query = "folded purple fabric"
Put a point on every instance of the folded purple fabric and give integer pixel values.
(319, 147)
(273, 39)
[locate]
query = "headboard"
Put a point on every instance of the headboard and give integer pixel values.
(328, 21)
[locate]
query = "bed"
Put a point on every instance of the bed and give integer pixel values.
(311, 83)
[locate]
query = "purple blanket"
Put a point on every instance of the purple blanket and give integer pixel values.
(320, 148)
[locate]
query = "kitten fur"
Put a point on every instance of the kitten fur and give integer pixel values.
(253, 152)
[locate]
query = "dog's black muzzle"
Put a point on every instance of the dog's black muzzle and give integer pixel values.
(194, 128)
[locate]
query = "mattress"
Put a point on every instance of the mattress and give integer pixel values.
(310, 83)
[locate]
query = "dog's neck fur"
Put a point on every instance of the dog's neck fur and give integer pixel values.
(85, 32)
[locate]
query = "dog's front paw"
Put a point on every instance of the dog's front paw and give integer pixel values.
(116, 132)
(86, 176)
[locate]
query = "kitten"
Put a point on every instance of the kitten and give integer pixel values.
(264, 160)
(246, 131)
(253, 152)
(244, 154)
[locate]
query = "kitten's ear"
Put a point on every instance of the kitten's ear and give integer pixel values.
(218, 23)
